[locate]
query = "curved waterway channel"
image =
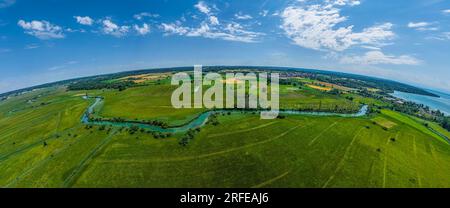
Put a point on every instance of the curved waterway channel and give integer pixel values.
(199, 121)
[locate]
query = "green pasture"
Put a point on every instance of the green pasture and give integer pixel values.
(44, 144)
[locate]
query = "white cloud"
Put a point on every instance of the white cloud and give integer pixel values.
(32, 46)
(211, 27)
(243, 16)
(371, 47)
(264, 13)
(173, 28)
(418, 24)
(140, 16)
(110, 28)
(447, 11)
(378, 57)
(143, 30)
(443, 36)
(62, 66)
(427, 29)
(315, 27)
(202, 7)
(344, 2)
(6, 3)
(214, 20)
(231, 32)
(84, 20)
(41, 29)
(422, 26)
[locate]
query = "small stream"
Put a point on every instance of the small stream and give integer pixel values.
(198, 121)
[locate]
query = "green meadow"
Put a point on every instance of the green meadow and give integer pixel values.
(44, 144)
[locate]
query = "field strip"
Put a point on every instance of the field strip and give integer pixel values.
(206, 155)
(26, 118)
(29, 170)
(371, 169)
(429, 131)
(25, 147)
(321, 133)
(59, 122)
(416, 162)
(6, 138)
(271, 180)
(433, 154)
(384, 168)
(21, 116)
(344, 157)
(18, 128)
(72, 177)
(385, 160)
(242, 131)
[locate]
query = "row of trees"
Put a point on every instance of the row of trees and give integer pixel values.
(94, 84)
(213, 120)
(161, 124)
(190, 135)
(446, 123)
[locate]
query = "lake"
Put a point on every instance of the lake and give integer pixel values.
(442, 103)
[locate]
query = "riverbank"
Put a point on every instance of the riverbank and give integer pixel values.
(200, 120)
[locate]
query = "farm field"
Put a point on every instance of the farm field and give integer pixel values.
(283, 153)
(148, 102)
(313, 100)
(44, 144)
(153, 102)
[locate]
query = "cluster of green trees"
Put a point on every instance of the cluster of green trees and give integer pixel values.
(423, 112)
(292, 82)
(334, 91)
(324, 107)
(190, 135)
(159, 135)
(446, 123)
(133, 129)
(378, 96)
(161, 124)
(213, 120)
(93, 84)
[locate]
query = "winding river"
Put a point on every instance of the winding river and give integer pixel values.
(198, 121)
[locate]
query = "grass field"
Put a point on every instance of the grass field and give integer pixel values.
(153, 102)
(314, 100)
(44, 144)
(294, 152)
(383, 122)
(411, 122)
(147, 102)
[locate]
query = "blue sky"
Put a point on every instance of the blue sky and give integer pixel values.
(50, 40)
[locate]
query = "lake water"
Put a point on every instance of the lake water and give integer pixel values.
(442, 103)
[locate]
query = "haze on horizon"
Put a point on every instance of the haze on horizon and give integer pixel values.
(404, 40)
